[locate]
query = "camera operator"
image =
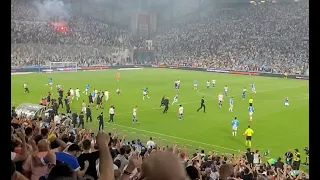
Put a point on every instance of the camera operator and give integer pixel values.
(296, 160)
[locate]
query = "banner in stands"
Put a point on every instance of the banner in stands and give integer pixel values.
(245, 73)
(94, 67)
(217, 70)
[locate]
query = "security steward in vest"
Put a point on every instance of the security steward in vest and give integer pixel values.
(296, 160)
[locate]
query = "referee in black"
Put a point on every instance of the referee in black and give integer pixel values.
(166, 105)
(162, 102)
(202, 105)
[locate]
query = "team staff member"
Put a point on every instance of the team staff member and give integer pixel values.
(248, 133)
(88, 114)
(250, 101)
(100, 118)
(202, 105)
(296, 160)
(111, 113)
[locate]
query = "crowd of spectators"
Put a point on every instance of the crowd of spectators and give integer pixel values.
(57, 150)
(272, 37)
(266, 37)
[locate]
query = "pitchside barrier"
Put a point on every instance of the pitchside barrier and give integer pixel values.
(46, 69)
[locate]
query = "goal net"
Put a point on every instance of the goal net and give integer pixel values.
(63, 66)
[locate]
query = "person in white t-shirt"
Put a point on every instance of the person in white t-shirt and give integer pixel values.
(150, 144)
(180, 112)
(57, 119)
(134, 115)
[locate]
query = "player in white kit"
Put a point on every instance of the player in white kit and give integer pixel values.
(208, 84)
(72, 93)
(220, 99)
(106, 95)
(77, 93)
(96, 93)
(213, 83)
(180, 112)
(226, 90)
(84, 107)
(134, 115)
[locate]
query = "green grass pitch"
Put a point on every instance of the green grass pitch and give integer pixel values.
(276, 127)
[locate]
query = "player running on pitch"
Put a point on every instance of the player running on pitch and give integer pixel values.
(226, 90)
(145, 93)
(208, 84)
(50, 83)
(234, 124)
(26, 89)
(195, 85)
(86, 89)
(251, 110)
(175, 99)
(178, 84)
(213, 83)
(77, 93)
(180, 112)
(106, 95)
(220, 99)
(253, 88)
(231, 104)
(134, 115)
(244, 93)
(286, 101)
(118, 76)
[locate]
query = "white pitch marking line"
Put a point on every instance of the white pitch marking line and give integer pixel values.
(174, 137)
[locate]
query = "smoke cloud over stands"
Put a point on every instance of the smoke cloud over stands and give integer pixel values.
(52, 9)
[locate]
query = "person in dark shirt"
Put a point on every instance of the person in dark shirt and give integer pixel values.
(202, 105)
(81, 120)
(48, 98)
(288, 155)
(88, 114)
(89, 156)
(66, 102)
(100, 118)
(166, 105)
(90, 99)
(162, 101)
(249, 156)
(247, 173)
(279, 164)
(60, 102)
(99, 102)
(74, 119)
(55, 108)
(60, 92)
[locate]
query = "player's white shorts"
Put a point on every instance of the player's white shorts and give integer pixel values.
(83, 109)
(286, 104)
(231, 105)
(253, 89)
(226, 92)
(107, 97)
(71, 93)
(77, 95)
(220, 101)
(134, 116)
(50, 84)
(250, 113)
(195, 85)
(180, 114)
(175, 100)
(86, 90)
(234, 128)
(144, 93)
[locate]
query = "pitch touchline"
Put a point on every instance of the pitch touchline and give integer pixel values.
(214, 98)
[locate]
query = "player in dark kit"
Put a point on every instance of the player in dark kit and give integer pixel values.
(162, 101)
(202, 105)
(166, 105)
